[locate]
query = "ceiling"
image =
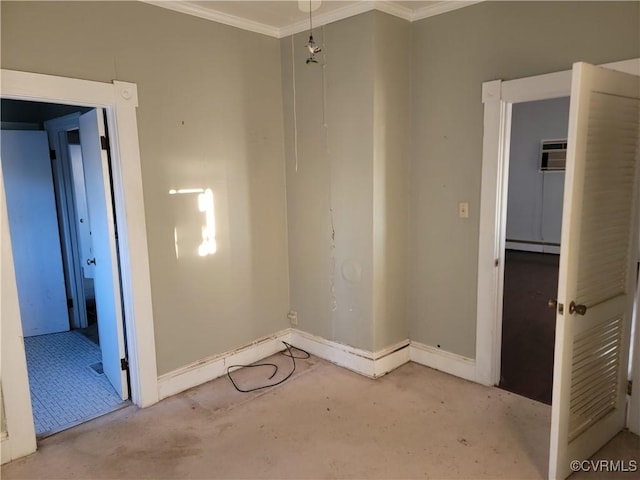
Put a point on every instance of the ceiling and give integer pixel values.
(282, 18)
(21, 111)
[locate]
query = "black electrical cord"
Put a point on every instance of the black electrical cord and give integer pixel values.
(287, 353)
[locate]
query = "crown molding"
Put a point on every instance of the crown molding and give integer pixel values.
(441, 7)
(329, 17)
(392, 8)
(387, 6)
(215, 16)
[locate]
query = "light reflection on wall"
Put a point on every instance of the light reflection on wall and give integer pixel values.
(205, 204)
(192, 228)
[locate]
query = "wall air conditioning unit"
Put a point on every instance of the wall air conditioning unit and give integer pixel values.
(553, 155)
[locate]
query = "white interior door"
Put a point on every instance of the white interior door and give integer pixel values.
(57, 130)
(33, 223)
(597, 265)
(82, 211)
(106, 279)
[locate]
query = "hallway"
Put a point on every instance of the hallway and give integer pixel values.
(66, 382)
(528, 324)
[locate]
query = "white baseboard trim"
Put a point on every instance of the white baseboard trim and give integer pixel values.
(390, 358)
(532, 247)
(447, 362)
(5, 449)
(370, 364)
(12, 448)
(213, 367)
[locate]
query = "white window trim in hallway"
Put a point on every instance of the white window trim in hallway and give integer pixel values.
(120, 100)
(498, 97)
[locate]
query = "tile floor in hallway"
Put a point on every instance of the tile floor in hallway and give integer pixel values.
(65, 389)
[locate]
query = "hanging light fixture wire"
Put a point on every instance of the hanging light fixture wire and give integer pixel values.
(311, 45)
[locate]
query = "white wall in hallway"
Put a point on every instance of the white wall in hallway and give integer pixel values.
(534, 211)
(35, 237)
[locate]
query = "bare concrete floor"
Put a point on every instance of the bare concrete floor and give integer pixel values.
(324, 422)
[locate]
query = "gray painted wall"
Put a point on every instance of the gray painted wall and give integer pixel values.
(347, 200)
(534, 206)
(453, 54)
(210, 116)
(329, 196)
(391, 178)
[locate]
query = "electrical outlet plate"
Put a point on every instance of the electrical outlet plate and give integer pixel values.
(293, 317)
(463, 209)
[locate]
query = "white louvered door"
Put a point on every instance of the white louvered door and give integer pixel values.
(597, 265)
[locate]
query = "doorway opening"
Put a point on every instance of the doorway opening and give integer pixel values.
(532, 247)
(120, 101)
(59, 215)
(573, 435)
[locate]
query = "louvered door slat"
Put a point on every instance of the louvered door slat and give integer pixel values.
(602, 273)
(595, 350)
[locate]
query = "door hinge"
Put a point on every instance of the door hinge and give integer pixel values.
(52, 154)
(629, 387)
(124, 364)
(69, 302)
(104, 143)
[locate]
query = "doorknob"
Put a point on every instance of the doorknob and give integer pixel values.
(553, 303)
(579, 309)
(91, 261)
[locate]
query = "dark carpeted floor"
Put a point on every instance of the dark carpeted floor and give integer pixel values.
(528, 324)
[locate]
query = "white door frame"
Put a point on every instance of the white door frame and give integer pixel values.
(498, 98)
(120, 100)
